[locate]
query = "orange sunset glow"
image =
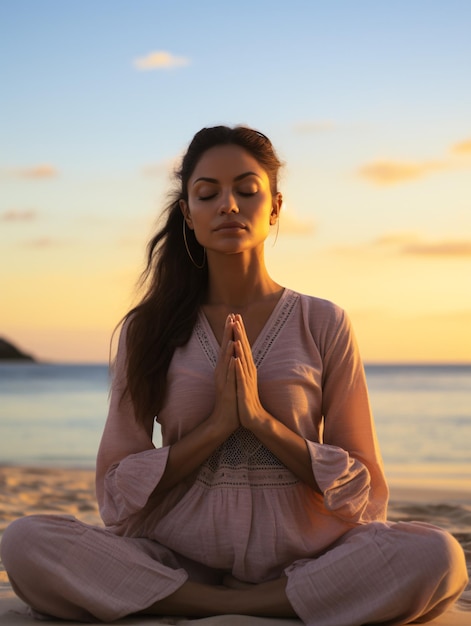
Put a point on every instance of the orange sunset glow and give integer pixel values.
(375, 136)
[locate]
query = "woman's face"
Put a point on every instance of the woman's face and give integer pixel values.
(230, 205)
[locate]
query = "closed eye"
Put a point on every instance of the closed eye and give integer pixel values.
(210, 197)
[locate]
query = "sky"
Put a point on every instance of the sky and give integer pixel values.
(367, 103)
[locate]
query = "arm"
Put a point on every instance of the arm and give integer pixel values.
(130, 469)
(289, 447)
(128, 465)
(193, 449)
(346, 468)
(348, 465)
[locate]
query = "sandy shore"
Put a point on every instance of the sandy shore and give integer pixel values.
(25, 491)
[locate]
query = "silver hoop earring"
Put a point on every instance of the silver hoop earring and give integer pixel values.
(200, 267)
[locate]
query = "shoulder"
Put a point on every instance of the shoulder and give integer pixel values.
(320, 310)
(326, 322)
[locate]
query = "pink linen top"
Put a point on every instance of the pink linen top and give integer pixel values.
(243, 511)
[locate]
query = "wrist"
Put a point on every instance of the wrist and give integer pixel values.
(262, 423)
(221, 425)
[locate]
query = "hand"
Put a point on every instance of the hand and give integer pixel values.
(225, 410)
(250, 409)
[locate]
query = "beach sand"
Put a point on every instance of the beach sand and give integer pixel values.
(25, 491)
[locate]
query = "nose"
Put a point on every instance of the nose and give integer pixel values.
(228, 203)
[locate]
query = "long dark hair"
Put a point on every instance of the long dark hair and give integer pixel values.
(174, 287)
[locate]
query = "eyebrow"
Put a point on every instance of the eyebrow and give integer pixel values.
(215, 181)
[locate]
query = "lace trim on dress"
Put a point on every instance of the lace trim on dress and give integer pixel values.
(287, 305)
(243, 461)
(205, 343)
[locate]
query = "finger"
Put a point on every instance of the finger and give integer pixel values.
(240, 355)
(239, 376)
(240, 333)
(228, 353)
(243, 347)
(239, 325)
(222, 367)
(231, 382)
(231, 370)
(232, 366)
(228, 334)
(242, 390)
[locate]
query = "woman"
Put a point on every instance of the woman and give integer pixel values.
(268, 495)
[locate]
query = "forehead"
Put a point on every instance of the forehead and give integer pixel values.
(226, 162)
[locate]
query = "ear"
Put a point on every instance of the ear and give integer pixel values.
(186, 213)
(276, 208)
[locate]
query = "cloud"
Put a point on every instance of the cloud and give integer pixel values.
(412, 244)
(18, 215)
(395, 239)
(389, 172)
(409, 244)
(394, 172)
(43, 170)
(160, 60)
(454, 248)
(463, 147)
(292, 225)
(42, 242)
(314, 126)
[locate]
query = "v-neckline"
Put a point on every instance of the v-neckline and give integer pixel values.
(265, 337)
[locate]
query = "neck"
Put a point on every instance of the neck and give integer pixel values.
(236, 281)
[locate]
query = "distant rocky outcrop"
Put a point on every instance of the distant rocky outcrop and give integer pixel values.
(9, 352)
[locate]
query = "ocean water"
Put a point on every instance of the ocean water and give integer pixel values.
(423, 422)
(53, 415)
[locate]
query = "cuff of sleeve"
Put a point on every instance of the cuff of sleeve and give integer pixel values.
(343, 480)
(129, 484)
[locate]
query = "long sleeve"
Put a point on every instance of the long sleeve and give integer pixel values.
(347, 465)
(129, 467)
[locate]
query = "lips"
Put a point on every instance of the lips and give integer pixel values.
(230, 226)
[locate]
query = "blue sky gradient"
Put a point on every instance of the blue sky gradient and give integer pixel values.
(367, 102)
